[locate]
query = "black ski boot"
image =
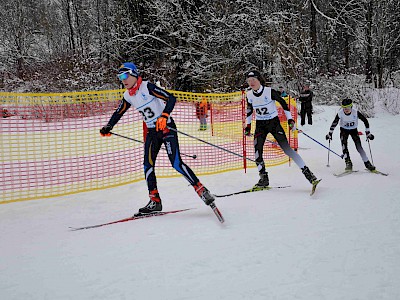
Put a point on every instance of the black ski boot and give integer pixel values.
(349, 165)
(264, 180)
(308, 174)
(369, 166)
(204, 193)
(154, 204)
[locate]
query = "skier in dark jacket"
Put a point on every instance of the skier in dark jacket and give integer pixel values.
(348, 117)
(155, 105)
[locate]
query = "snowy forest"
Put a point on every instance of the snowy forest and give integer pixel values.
(200, 45)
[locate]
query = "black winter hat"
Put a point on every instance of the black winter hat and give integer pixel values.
(257, 75)
(347, 102)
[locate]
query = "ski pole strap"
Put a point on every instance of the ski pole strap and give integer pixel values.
(301, 131)
(213, 145)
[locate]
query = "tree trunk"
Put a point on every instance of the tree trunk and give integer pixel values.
(368, 67)
(313, 28)
(71, 26)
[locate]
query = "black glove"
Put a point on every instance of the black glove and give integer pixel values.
(105, 131)
(370, 136)
(328, 136)
(247, 130)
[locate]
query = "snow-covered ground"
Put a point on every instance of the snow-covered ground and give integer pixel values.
(341, 243)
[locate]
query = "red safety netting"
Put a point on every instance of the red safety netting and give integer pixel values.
(51, 146)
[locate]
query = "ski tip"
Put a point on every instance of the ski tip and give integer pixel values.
(314, 186)
(377, 172)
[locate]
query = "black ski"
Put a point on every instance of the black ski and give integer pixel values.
(135, 217)
(345, 173)
(377, 172)
(314, 186)
(253, 189)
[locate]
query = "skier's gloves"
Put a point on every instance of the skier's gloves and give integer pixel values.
(370, 136)
(292, 124)
(161, 122)
(105, 131)
(247, 130)
(329, 136)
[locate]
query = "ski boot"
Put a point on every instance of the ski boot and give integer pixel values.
(264, 180)
(349, 165)
(369, 166)
(203, 127)
(154, 204)
(204, 193)
(309, 175)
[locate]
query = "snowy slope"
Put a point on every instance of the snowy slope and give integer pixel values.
(341, 243)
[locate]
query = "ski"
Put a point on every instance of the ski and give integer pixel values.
(345, 173)
(314, 186)
(253, 189)
(377, 172)
(217, 212)
(135, 217)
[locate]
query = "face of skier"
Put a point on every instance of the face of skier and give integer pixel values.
(254, 83)
(129, 82)
(347, 110)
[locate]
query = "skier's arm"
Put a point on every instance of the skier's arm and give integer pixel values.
(122, 108)
(162, 94)
(334, 124)
(249, 112)
(364, 119)
(119, 112)
(275, 95)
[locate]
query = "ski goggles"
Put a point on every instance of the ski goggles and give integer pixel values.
(348, 105)
(124, 75)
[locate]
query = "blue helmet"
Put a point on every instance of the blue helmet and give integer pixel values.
(128, 68)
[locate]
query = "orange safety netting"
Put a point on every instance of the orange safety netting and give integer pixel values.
(51, 146)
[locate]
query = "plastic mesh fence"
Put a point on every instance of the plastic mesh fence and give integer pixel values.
(51, 146)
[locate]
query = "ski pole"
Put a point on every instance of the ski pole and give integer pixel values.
(131, 139)
(369, 146)
(213, 145)
(328, 152)
(301, 131)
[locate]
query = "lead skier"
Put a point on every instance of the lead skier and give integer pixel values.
(155, 105)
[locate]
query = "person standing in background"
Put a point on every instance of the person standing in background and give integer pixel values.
(283, 92)
(201, 113)
(306, 108)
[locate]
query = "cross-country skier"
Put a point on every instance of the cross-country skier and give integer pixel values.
(348, 117)
(155, 105)
(262, 99)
